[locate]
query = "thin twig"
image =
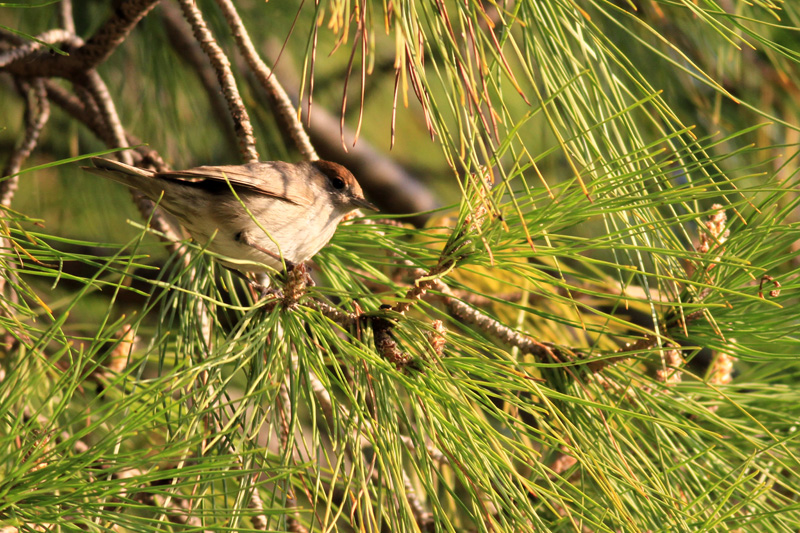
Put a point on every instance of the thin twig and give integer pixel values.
(84, 112)
(425, 281)
(544, 351)
(259, 520)
(222, 66)
(449, 259)
(297, 279)
(422, 516)
(386, 345)
(671, 364)
(37, 112)
(65, 19)
(280, 101)
(189, 50)
(22, 54)
(344, 319)
(78, 110)
(285, 416)
(87, 98)
(92, 81)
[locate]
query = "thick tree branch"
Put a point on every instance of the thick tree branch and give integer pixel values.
(98, 48)
(32, 61)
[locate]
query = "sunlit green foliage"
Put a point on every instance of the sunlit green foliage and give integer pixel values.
(609, 129)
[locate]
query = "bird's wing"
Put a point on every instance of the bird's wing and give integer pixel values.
(272, 178)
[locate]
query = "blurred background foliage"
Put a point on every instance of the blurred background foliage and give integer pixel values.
(611, 132)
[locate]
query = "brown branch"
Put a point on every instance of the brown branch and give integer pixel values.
(671, 364)
(422, 516)
(297, 279)
(385, 343)
(85, 96)
(437, 337)
(97, 88)
(449, 258)
(279, 100)
(37, 113)
(424, 282)
(98, 48)
(451, 255)
(222, 67)
(87, 114)
(82, 56)
(78, 110)
(544, 351)
(284, 404)
(20, 61)
(65, 18)
(344, 319)
(189, 50)
(259, 520)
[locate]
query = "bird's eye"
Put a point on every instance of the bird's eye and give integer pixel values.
(338, 183)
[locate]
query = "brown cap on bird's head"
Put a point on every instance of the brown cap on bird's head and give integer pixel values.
(342, 180)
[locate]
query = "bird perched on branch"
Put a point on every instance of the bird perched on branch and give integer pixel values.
(258, 215)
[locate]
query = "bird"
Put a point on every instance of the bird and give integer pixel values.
(259, 216)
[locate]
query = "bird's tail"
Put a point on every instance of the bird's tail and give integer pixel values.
(136, 178)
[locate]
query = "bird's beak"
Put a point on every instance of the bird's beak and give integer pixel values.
(363, 203)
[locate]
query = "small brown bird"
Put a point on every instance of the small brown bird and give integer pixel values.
(283, 211)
